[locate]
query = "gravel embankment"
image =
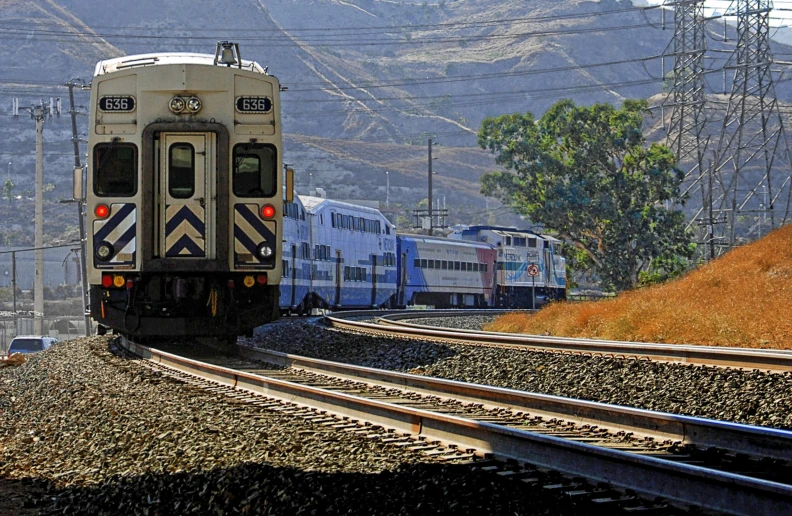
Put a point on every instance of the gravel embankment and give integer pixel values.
(750, 397)
(469, 322)
(88, 432)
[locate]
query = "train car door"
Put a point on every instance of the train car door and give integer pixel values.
(293, 275)
(373, 280)
(187, 193)
(337, 301)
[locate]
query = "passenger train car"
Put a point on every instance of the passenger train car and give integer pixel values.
(184, 194)
(347, 261)
(445, 273)
(529, 270)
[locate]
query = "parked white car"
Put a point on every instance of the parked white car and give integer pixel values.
(30, 344)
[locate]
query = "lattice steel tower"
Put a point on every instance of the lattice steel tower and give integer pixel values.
(752, 164)
(688, 119)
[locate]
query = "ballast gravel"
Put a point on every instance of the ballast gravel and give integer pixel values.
(85, 431)
(750, 397)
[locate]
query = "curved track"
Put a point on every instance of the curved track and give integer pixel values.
(393, 324)
(591, 454)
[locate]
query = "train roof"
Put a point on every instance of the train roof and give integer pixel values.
(315, 203)
(165, 58)
(443, 240)
(475, 229)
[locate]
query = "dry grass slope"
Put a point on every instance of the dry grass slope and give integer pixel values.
(741, 299)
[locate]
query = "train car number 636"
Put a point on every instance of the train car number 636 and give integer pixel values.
(117, 104)
(253, 104)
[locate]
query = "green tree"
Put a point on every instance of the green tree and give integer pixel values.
(8, 190)
(587, 174)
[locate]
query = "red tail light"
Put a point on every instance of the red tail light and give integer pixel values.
(268, 211)
(261, 279)
(130, 284)
(107, 280)
(101, 211)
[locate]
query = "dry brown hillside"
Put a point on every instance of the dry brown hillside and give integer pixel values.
(742, 299)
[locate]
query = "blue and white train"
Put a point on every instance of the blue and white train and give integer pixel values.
(338, 255)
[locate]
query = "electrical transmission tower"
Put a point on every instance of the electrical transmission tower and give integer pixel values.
(688, 119)
(751, 166)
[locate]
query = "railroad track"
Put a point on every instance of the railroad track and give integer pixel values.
(654, 454)
(393, 324)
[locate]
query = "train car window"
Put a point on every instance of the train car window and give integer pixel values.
(181, 171)
(255, 166)
(475, 267)
(444, 265)
(531, 242)
(416, 263)
(115, 169)
(456, 266)
(424, 264)
(321, 219)
(508, 240)
(363, 274)
(431, 264)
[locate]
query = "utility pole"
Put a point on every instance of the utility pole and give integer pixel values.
(39, 113)
(80, 201)
(430, 211)
(687, 99)
(753, 148)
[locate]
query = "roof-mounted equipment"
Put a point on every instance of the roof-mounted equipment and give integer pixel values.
(227, 53)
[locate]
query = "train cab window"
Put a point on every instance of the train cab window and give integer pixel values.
(115, 169)
(531, 242)
(387, 229)
(255, 166)
(508, 240)
(181, 171)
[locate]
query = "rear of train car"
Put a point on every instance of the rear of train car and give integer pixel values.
(445, 273)
(296, 263)
(184, 194)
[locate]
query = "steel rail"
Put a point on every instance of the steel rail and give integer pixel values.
(725, 492)
(748, 358)
(703, 433)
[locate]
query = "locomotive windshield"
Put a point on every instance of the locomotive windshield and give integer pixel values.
(115, 169)
(255, 170)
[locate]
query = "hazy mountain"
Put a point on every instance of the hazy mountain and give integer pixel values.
(369, 80)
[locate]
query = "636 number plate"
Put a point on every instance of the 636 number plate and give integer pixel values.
(117, 104)
(253, 104)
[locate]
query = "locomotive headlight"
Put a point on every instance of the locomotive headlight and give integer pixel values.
(193, 104)
(104, 251)
(176, 105)
(264, 251)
